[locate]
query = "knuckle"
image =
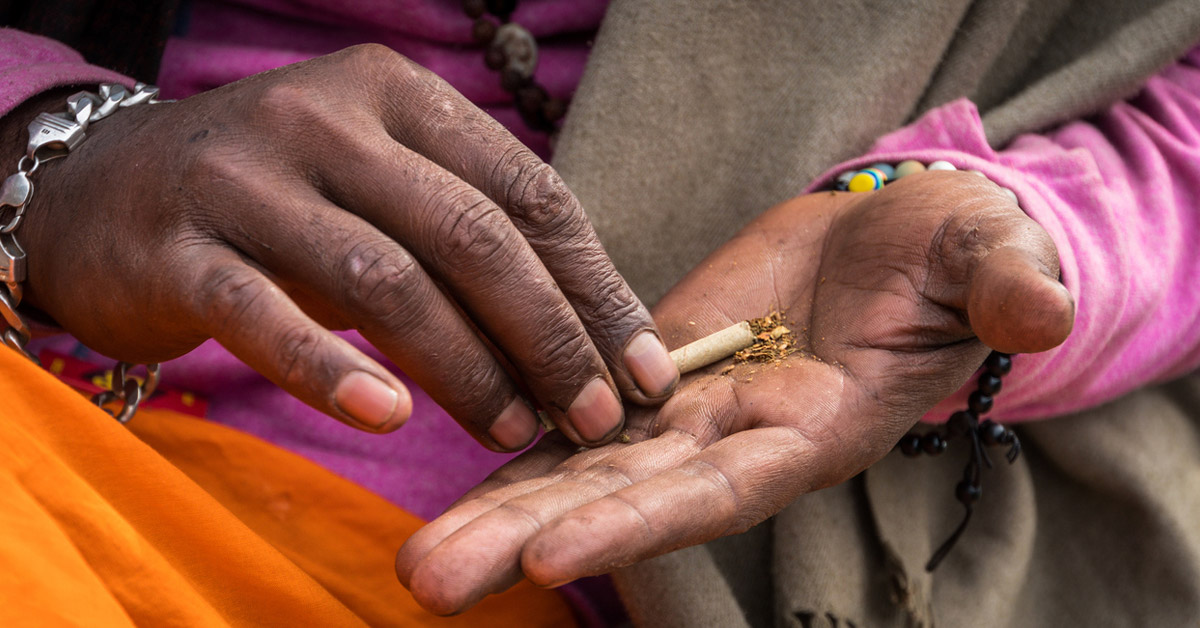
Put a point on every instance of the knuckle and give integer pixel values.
(283, 101)
(474, 235)
(483, 387)
(960, 235)
(369, 55)
(381, 272)
(607, 301)
(561, 356)
(440, 109)
(606, 474)
(392, 80)
(384, 68)
(297, 349)
(227, 294)
(537, 198)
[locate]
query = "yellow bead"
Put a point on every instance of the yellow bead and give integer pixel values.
(866, 181)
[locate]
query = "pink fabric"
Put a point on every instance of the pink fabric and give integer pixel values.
(1120, 196)
(30, 65)
(227, 41)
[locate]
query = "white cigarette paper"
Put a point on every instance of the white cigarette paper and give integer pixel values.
(713, 347)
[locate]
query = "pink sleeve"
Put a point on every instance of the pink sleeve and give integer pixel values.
(1120, 195)
(31, 64)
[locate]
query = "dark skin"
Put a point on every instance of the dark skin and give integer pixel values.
(357, 190)
(899, 294)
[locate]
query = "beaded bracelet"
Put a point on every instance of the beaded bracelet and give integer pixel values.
(964, 423)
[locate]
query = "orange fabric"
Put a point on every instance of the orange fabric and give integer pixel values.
(180, 521)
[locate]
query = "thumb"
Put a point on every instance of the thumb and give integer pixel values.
(1015, 305)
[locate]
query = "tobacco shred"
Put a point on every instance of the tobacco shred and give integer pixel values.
(773, 341)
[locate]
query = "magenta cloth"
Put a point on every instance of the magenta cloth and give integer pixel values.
(30, 65)
(227, 41)
(1120, 195)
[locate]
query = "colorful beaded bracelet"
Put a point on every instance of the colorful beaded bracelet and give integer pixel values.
(964, 423)
(878, 175)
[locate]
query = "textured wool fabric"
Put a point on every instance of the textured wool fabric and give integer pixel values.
(1095, 525)
(186, 522)
(692, 118)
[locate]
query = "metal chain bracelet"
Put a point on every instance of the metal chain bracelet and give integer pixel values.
(54, 135)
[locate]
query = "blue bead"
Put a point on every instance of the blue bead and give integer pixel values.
(886, 169)
(843, 180)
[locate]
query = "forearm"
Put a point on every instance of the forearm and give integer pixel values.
(1118, 193)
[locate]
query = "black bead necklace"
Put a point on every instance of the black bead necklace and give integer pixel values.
(513, 52)
(966, 423)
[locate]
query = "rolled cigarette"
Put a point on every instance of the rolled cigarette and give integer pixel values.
(699, 354)
(713, 347)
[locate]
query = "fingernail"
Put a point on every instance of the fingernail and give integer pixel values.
(596, 412)
(515, 426)
(366, 399)
(650, 364)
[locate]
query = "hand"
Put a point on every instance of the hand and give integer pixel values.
(355, 190)
(895, 296)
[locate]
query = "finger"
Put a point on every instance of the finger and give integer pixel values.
(381, 290)
(1002, 268)
(436, 121)
(254, 319)
(767, 451)
(1015, 306)
(431, 562)
(726, 489)
(529, 472)
(465, 241)
(445, 580)
(551, 460)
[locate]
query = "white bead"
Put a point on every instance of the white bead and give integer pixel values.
(942, 165)
(977, 172)
(1012, 196)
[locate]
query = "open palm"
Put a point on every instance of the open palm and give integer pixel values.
(894, 296)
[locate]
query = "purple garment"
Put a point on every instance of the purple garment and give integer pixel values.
(1119, 194)
(30, 65)
(227, 41)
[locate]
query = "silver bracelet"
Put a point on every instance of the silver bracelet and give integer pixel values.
(54, 135)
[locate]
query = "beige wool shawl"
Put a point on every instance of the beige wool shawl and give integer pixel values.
(693, 117)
